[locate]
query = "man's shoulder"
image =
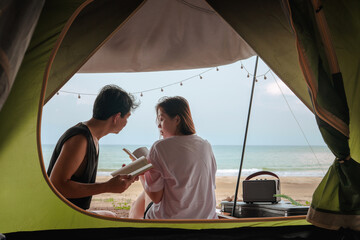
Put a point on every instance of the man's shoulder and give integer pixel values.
(78, 129)
(76, 133)
(78, 138)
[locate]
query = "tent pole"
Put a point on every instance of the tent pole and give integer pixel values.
(245, 137)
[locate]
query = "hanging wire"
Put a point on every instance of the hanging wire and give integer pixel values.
(171, 84)
(148, 90)
(292, 113)
(302, 131)
(161, 88)
(77, 93)
(175, 83)
(250, 74)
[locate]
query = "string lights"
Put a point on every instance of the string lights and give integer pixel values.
(200, 76)
(257, 76)
(181, 82)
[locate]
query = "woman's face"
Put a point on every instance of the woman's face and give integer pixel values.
(166, 124)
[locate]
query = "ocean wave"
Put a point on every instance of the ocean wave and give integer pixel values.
(102, 173)
(247, 172)
(282, 160)
(235, 172)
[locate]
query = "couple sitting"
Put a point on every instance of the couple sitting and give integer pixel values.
(181, 185)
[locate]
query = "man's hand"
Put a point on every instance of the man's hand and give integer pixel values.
(119, 184)
(137, 177)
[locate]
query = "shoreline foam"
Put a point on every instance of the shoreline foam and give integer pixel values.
(247, 172)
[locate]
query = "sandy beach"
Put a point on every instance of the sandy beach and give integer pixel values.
(298, 188)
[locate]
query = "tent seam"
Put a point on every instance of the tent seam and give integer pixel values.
(325, 115)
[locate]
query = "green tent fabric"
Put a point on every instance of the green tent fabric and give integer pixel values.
(337, 199)
(69, 32)
(264, 26)
(17, 31)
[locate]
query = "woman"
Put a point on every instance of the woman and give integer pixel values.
(182, 183)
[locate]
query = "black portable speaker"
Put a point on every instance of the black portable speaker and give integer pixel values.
(262, 190)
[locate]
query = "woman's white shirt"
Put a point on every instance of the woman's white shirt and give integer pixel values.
(185, 168)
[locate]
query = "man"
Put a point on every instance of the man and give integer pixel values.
(73, 165)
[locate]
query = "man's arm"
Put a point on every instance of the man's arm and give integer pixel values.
(154, 196)
(71, 156)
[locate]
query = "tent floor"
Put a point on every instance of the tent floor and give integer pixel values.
(254, 233)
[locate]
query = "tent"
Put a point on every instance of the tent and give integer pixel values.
(311, 45)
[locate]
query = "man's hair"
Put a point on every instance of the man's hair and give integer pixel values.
(112, 100)
(178, 106)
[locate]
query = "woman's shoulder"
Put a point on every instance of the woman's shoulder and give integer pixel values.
(163, 142)
(189, 139)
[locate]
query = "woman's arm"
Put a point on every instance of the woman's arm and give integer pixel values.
(154, 196)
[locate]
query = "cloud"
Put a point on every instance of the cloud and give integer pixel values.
(273, 89)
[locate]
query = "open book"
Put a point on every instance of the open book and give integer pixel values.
(139, 164)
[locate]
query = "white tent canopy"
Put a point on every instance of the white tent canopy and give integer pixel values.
(169, 35)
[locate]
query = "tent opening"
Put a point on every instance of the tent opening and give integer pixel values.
(218, 99)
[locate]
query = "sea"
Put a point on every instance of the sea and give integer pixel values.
(296, 161)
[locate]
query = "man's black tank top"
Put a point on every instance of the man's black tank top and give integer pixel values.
(91, 157)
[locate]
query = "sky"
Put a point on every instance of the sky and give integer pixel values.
(219, 103)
